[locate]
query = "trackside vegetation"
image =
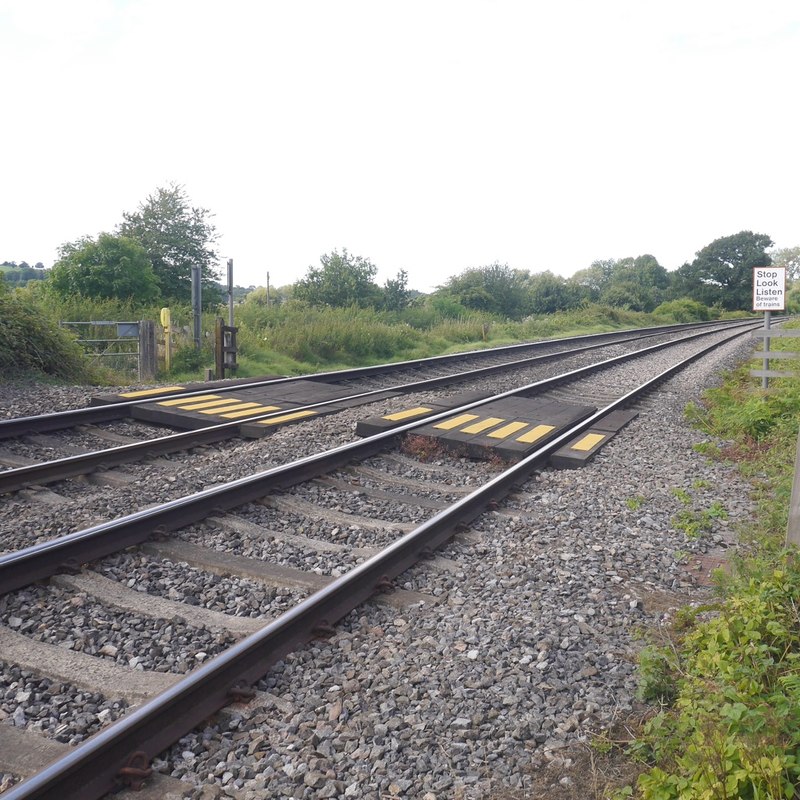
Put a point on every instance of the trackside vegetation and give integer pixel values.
(293, 337)
(728, 684)
(32, 343)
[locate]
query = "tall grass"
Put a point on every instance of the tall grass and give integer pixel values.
(293, 338)
(32, 343)
(325, 335)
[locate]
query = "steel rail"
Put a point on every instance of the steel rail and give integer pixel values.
(38, 561)
(94, 767)
(108, 412)
(83, 463)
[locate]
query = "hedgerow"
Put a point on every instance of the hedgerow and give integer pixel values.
(31, 342)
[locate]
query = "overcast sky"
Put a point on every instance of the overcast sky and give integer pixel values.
(425, 135)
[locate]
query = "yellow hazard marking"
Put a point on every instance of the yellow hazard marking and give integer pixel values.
(181, 400)
(251, 412)
(588, 441)
(507, 430)
(412, 412)
(286, 418)
(151, 392)
(223, 401)
(482, 425)
(534, 434)
(454, 422)
(237, 405)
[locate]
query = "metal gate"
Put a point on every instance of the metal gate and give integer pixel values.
(127, 347)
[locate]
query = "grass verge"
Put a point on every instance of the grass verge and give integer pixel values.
(728, 684)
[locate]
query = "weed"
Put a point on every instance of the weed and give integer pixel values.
(657, 667)
(682, 495)
(710, 449)
(695, 523)
(602, 743)
(635, 502)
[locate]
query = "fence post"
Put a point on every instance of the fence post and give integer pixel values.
(147, 350)
(793, 526)
(219, 348)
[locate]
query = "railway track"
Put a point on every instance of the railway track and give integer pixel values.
(404, 511)
(131, 441)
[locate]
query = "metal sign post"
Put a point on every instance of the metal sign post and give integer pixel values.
(197, 303)
(230, 292)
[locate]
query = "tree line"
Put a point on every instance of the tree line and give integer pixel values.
(148, 257)
(719, 276)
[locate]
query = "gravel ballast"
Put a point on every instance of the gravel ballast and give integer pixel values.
(530, 645)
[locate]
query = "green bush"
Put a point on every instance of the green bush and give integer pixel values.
(735, 731)
(189, 360)
(30, 341)
(683, 310)
(657, 677)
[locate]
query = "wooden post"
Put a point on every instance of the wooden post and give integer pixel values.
(166, 323)
(147, 350)
(219, 348)
(793, 527)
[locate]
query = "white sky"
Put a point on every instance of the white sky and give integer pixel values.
(429, 135)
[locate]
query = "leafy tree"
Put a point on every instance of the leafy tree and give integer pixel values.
(447, 306)
(176, 237)
(496, 288)
(628, 294)
(395, 292)
(642, 270)
(637, 283)
(788, 257)
(550, 293)
(722, 273)
(343, 280)
(111, 267)
(594, 280)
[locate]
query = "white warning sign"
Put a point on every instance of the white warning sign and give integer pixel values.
(769, 288)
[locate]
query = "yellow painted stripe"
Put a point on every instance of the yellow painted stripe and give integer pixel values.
(223, 401)
(251, 412)
(454, 422)
(151, 392)
(237, 406)
(181, 400)
(537, 433)
(286, 418)
(588, 441)
(482, 425)
(507, 430)
(412, 412)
